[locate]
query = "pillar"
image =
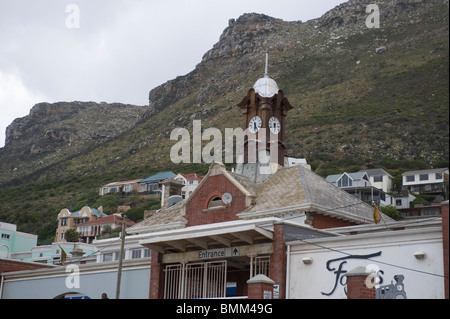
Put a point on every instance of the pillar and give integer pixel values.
(357, 288)
(260, 287)
(278, 259)
(156, 276)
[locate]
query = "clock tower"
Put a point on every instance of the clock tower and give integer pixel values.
(264, 109)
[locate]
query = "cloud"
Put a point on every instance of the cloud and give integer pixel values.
(15, 100)
(121, 50)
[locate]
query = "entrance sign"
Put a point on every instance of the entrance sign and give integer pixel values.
(196, 255)
(218, 253)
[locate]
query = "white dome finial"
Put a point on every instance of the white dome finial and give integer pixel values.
(266, 87)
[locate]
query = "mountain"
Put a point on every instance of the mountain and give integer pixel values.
(363, 97)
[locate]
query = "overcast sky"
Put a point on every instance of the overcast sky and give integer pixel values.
(113, 50)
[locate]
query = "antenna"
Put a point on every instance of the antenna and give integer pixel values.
(266, 73)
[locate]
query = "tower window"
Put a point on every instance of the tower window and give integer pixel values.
(216, 201)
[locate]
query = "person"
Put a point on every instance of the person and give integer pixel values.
(104, 296)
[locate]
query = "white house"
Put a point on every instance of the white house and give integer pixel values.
(429, 181)
(190, 182)
(381, 179)
(358, 184)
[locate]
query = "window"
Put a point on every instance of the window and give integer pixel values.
(117, 255)
(410, 178)
(147, 252)
(5, 236)
(127, 188)
(438, 176)
(153, 187)
(430, 212)
(216, 201)
(136, 253)
(64, 222)
(423, 177)
(113, 190)
(378, 179)
(344, 181)
(107, 257)
(398, 202)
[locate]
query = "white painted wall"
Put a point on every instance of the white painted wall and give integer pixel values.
(397, 258)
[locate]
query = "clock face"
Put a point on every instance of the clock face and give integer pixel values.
(274, 125)
(255, 124)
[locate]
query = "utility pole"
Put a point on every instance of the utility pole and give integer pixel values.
(119, 270)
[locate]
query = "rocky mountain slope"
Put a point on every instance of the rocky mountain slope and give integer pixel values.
(362, 97)
(53, 133)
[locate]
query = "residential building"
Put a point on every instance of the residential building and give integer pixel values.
(88, 231)
(53, 254)
(432, 181)
(358, 184)
(150, 185)
(381, 179)
(13, 241)
(69, 220)
(190, 182)
(401, 201)
(109, 249)
(127, 187)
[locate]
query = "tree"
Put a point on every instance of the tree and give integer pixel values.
(109, 203)
(72, 235)
(391, 211)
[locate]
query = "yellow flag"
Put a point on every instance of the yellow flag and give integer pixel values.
(376, 214)
(63, 256)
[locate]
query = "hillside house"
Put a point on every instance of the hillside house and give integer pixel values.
(69, 220)
(88, 231)
(432, 181)
(150, 185)
(358, 184)
(381, 179)
(120, 187)
(190, 182)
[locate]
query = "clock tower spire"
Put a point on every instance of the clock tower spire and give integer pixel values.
(264, 109)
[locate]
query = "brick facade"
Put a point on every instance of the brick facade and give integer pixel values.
(357, 288)
(320, 221)
(259, 286)
(156, 277)
(16, 265)
(278, 260)
(197, 212)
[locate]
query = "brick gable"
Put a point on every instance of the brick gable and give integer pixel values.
(197, 212)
